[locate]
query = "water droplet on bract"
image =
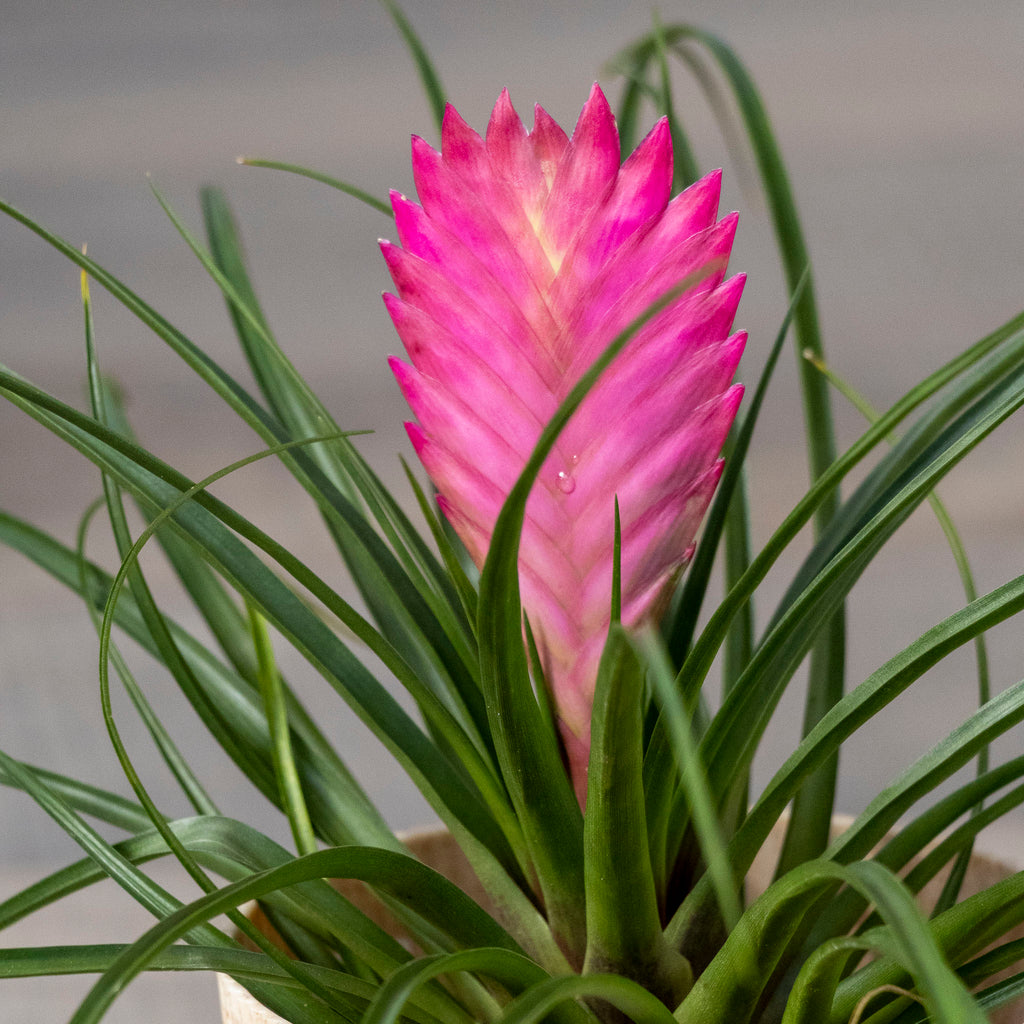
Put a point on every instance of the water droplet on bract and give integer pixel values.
(566, 483)
(688, 554)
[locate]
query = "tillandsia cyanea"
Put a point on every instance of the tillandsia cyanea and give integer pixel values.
(527, 254)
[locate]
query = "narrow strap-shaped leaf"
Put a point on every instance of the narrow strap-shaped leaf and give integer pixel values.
(443, 540)
(959, 553)
(684, 164)
(113, 808)
(424, 65)
(924, 833)
(791, 244)
(1004, 346)
(739, 644)
(199, 518)
(951, 846)
(624, 932)
(693, 784)
(632, 67)
(456, 803)
(325, 179)
(995, 382)
(55, 961)
(288, 779)
(919, 780)
(542, 999)
(905, 939)
(811, 996)
(162, 740)
(680, 626)
(993, 719)
(826, 673)
(236, 851)
(866, 701)
(512, 970)
(172, 657)
(996, 960)
(155, 624)
(157, 627)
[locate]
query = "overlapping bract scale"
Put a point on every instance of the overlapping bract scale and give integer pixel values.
(529, 251)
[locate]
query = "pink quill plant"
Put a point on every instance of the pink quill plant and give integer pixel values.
(568, 329)
(527, 254)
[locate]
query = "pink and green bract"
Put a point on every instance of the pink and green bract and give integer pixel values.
(527, 254)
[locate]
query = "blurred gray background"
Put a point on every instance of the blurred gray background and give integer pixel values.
(901, 124)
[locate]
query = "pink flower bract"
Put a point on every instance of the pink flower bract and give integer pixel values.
(527, 254)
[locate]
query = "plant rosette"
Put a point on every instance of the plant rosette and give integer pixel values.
(436, 848)
(567, 320)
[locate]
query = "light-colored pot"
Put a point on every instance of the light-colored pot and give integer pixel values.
(434, 846)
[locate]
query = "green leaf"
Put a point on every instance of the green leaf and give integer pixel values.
(684, 171)
(725, 518)
(624, 933)
(169, 751)
(289, 782)
(679, 627)
(444, 538)
(92, 800)
(998, 354)
(171, 656)
(825, 684)
(428, 74)
(632, 68)
(546, 997)
(878, 690)
(693, 784)
(1000, 714)
(241, 964)
(236, 851)
(512, 970)
(325, 179)
(959, 553)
